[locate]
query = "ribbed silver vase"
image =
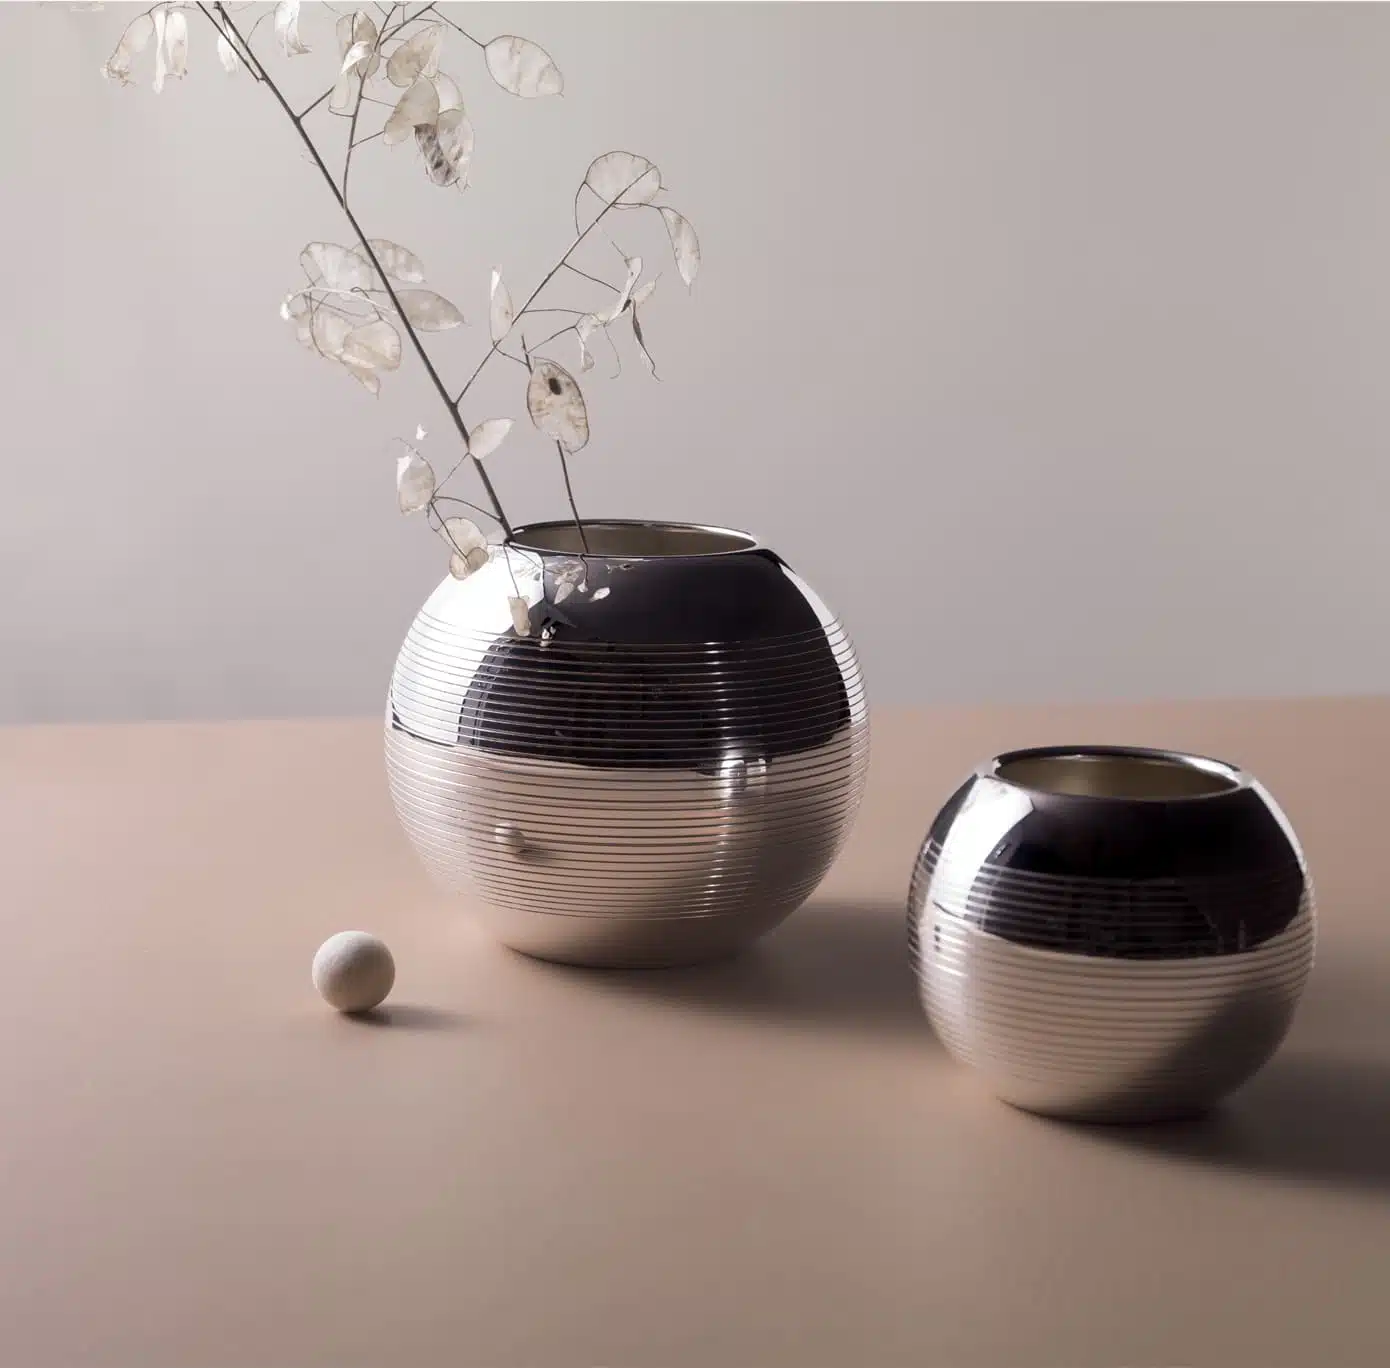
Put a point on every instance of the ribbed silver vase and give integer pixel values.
(659, 768)
(1111, 934)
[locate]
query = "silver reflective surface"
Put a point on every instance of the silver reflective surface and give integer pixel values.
(1128, 1031)
(656, 774)
(1114, 774)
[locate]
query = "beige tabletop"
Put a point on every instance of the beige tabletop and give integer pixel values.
(767, 1161)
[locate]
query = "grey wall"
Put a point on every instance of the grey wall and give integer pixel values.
(1050, 343)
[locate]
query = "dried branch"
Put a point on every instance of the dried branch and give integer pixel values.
(559, 332)
(354, 310)
(365, 245)
(303, 113)
(549, 276)
(352, 124)
(569, 491)
(607, 284)
(406, 22)
(455, 27)
(451, 498)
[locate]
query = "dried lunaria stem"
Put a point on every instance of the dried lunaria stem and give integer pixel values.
(361, 303)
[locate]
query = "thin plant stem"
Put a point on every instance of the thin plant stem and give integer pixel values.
(569, 491)
(549, 276)
(352, 130)
(405, 23)
(357, 104)
(570, 266)
(304, 113)
(453, 498)
(545, 341)
(265, 14)
(369, 251)
(455, 27)
(511, 573)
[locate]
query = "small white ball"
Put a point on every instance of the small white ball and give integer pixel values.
(353, 971)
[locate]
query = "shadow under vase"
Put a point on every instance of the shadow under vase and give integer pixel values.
(1311, 1117)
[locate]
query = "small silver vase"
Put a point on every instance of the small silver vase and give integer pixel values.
(1111, 934)
(657, 768)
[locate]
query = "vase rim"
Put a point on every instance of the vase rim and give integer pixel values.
(631, 539)
(1117, 773)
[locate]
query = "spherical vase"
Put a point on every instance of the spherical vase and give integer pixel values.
(651, 759)
(1111, 934)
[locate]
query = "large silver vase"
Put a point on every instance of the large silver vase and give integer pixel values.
(657, 768)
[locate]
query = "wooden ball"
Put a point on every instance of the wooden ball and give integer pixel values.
(353, 971)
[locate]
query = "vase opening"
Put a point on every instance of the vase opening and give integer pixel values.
(1115, 772)
(630, 539)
